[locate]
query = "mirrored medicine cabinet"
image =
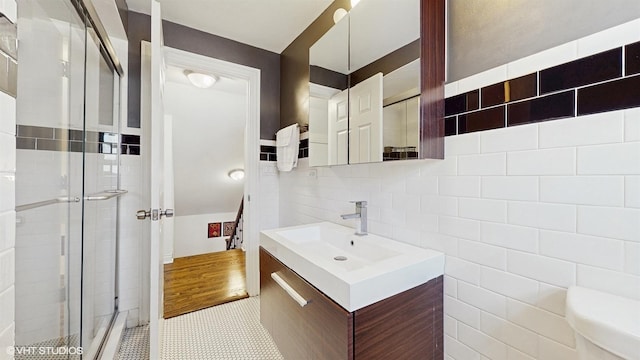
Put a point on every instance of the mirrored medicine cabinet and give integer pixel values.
(366, 102)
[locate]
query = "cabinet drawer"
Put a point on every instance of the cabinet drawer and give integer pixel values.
(321, 329)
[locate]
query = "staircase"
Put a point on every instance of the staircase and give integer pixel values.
(235, 240)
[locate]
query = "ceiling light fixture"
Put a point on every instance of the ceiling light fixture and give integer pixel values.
(236, 174)
(201, 80)
(338, 15)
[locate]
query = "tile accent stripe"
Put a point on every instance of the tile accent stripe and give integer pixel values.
(268, 152)
(57, 139)
(614, 95)
(589, 85)
(592, 69)
(556, 106)
(303, 149)
(632, 59)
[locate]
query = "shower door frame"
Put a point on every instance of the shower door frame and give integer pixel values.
(91, 19)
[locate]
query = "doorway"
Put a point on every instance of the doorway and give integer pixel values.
(183, 59)
(152, 115)
(205, 123)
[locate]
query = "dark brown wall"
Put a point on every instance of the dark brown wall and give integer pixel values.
(139, 30)
(184, 38)
(321, 76)
(387, 63)
(294, 68)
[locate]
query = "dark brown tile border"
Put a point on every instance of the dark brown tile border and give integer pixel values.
(592, 69)
(632, 59)
(35, 132)
(450, 126)
(268, 149)
(520, 88)
(268, 152)
(556, 106)
(462, 103)
(492, 118)
(610, 96)
(25, 143)
(57, 139)
(68, 134)
(592, 84)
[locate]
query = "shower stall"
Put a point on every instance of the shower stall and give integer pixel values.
(67, 180)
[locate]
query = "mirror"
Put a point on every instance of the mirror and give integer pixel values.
(365, 86)
(328, 97)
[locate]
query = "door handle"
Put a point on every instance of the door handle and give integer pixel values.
(154, 214)
(143, 214)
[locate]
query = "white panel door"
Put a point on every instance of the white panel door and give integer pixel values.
(365, 121)
(156, 183)
(338, 141)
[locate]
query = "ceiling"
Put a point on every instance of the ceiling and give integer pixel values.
(267, 24)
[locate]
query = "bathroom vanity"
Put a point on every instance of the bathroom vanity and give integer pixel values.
(383, 302)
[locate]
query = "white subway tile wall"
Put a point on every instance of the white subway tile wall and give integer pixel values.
(504, 140)
(521, 212)
(632, 125)
(130, 233)
(603, 128)
(545, 59)
(269, 193)
(616, 36)
(485, 164)
(7, 210)
(463, 145)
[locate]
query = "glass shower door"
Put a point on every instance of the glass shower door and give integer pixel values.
(67, 182)
(49, 165)
(101, 180)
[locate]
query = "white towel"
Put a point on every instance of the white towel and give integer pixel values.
(287, 143)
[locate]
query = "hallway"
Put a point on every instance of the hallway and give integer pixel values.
(196, 282)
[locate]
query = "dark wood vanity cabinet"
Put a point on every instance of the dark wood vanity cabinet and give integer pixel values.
(408, 325)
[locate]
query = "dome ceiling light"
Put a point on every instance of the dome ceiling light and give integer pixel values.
(201, 80)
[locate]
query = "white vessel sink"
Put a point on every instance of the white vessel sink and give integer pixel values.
(609, 321)
(375, 267)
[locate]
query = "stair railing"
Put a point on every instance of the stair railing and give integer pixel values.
(235, 240)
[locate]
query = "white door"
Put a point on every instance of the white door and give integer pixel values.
(365, 121)
(156, 184)
(338, 129)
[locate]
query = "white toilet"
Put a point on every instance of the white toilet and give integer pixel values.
(607, 326)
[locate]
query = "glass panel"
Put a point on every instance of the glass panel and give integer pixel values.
(49, 170)
(100, 211)
(67, 162)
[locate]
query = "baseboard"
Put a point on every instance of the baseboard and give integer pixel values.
(168, 259)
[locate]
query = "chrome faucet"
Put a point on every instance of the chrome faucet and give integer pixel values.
(360, 215)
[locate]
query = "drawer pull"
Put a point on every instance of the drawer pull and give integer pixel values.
(286, 287)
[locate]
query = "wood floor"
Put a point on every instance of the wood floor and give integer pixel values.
(196, 282)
